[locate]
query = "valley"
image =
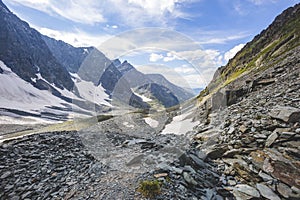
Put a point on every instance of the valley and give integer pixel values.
(100, 129)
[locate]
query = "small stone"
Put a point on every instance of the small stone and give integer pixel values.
(15, 198)
(160, 175)
(266, 192)
(232, 152)
(295, 189)
(271, 139)
(198, 161)
(5, 175)
(26, 195)
(260, 136)
(240, 195)
(189, 179)
(298, 131)
(231, 130)
(177, 170)
(9, 187)
(265, 176)
(287, 135)
(231, 182)
(216, 152)
(189, 169)
(284, 190)
(243, 128)
(251, 191)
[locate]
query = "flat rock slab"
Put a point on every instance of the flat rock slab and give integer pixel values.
(286, 113)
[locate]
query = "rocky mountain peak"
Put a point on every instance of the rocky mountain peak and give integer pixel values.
(125, 67)
(34, 56)
(3, 7)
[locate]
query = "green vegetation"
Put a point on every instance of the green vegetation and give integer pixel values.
(150, 188)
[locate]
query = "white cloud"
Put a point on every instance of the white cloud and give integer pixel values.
(87, 11)
(232, 52)
(155, 57)
(185, 69)
(135, 13)
(170, 57)
(169, 73)
(222, 40)
(260, 2)
(76, 38)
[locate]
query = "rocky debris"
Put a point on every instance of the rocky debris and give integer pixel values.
(189, 177)
(255, 142)
(48, 166)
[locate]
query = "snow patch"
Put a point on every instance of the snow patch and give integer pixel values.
(24, 120)
(90, 92)
(151, 122)
(128, 125)
(180, 125)
(17, 94)
(145, 99)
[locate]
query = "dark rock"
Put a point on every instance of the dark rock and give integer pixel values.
(216, 152)
(189, 179)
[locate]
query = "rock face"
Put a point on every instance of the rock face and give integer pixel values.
(34, 56)
(161, 93)
(68, 56)
(154, 83)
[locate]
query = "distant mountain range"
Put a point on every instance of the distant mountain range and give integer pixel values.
(61, 80)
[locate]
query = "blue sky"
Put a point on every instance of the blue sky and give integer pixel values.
(186, 40)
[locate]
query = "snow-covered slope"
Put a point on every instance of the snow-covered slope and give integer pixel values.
(19, 98)
(90, 92)
(15, 93)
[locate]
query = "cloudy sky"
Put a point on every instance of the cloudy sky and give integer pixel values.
(186, 40)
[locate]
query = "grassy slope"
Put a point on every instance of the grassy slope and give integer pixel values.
(265, 50)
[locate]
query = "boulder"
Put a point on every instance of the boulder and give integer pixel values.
(266, 192)
(286, 113)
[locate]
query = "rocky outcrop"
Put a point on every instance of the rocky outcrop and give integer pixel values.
(33, 55)
(68, 56)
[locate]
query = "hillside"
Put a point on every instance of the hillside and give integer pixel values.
(266, 50)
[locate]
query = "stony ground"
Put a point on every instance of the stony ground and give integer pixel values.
(248, 150)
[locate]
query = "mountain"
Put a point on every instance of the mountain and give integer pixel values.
(266, 49)
(239, 140)
(25, 52)
(180, 93)
(76, 80)
(156, 84)
(68, 56)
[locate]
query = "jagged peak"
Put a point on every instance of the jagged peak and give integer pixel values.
(4, 7)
